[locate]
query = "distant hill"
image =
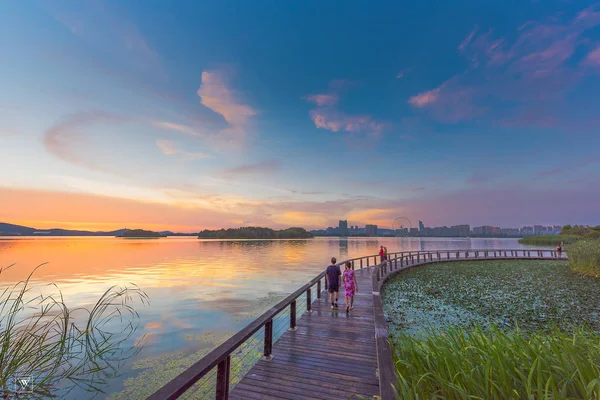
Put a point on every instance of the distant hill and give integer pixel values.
(18, 230)
(140, 233)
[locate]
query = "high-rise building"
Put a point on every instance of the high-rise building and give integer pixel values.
(421, 226)
(343, 228)
(371, 230)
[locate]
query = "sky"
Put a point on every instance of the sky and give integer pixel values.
(187, 115)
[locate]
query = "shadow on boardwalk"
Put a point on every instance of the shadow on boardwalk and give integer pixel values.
(331, 355)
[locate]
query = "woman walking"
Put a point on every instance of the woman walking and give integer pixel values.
(350, 286)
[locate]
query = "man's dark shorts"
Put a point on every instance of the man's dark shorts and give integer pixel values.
(333, 288)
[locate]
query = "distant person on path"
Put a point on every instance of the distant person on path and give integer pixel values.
(382, 254)
(350, 286)
(332, 282)
(559, 249)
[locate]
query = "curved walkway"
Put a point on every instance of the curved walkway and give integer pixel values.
(331, 355)
(326, 354)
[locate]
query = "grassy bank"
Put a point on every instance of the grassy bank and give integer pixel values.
(549, 240)
(584, 257)
(492, 364)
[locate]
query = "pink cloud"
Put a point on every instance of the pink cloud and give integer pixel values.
(216, 95)
(169, 148)
(176, 127)
(323, 99)
(425, 98)
(339, 122)
(463, 45)
(328, 117)
(66, 139)
(593, 57)
(100, 25)
(520, 81)
(264, 167)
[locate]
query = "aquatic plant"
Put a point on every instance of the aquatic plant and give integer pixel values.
(478, 363)
(584, 257)
(534, 294)
(550, 240)
(61, 348)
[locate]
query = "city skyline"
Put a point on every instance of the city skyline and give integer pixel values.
(187, 116)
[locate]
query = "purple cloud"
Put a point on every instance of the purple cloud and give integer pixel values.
(327, 116)
(520, 82)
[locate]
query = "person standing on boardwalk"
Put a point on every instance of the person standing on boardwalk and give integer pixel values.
(381, 254)
(332, 282)
(350, 286)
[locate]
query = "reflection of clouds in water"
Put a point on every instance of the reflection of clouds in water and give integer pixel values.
(196, 286)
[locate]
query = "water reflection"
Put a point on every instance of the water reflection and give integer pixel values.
(196, 286)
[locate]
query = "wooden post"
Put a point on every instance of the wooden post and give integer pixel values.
(367, 261)
(308, 300)
(293, 315)
(352, 265)
(361, 262)
(396, 263)
(318, 291)
(268, 350)
(223, 379)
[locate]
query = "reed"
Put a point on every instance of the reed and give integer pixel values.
(490, 363)
(584, 257)
(63, 348)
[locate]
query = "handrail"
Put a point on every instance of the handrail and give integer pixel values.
(386, 269)
(220, 356)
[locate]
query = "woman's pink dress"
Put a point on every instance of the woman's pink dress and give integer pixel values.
(349, 283)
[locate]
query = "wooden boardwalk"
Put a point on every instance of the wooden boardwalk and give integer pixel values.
(331, 355)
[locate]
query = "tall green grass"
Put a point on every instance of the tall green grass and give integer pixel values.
(584, 257)
(491, 364)
(64, 348)
(549, 240)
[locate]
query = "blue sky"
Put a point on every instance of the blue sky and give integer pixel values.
(206, 114)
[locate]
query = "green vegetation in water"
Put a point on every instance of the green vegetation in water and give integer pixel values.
(64, 348)
(252, 232)
(478, 363)
(584, 257)
(494, 330)
(530, 294)
(155, 372)
(549, 240)
(140, 233)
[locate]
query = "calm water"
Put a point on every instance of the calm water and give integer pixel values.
(195, 286)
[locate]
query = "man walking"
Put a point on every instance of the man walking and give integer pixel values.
(332, 281)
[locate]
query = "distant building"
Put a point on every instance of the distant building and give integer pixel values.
(414, 231)
(371, 230)
(343, 228)
(421, 226)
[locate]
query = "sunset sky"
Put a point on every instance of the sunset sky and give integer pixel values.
(185, 115)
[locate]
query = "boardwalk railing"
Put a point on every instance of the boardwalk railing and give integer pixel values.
(221, 357)
(405, 260)
(263, 327)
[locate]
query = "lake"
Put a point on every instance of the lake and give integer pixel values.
(201, 288)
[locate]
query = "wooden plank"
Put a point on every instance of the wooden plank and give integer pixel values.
(331, 355)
